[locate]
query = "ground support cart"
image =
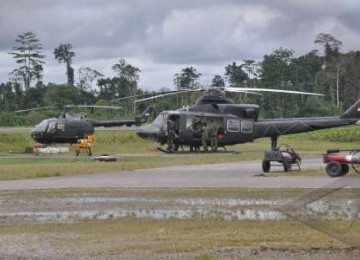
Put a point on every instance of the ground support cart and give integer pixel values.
(284, 155)
(338, 161)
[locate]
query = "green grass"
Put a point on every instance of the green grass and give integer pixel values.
(140, 154)
(142, 236)
(129, 142)
(23, 168)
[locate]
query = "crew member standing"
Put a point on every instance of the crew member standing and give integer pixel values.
(213, 129)
(170, 135)
(205, 136)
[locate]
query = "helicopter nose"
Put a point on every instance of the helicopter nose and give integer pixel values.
(141, 132)
(147, 132)
(36, 135)
(40, 136)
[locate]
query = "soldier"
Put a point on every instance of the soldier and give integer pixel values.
(170, 135)
(204, 136)
(197, 127)
(213, 128)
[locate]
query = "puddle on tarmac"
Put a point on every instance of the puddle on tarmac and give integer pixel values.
(229, 209)
(159, 214)
(187, 201)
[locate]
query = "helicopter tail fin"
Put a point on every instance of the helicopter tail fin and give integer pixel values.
(144, 116)
(353, 111)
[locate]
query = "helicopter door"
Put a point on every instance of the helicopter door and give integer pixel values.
(176, 120)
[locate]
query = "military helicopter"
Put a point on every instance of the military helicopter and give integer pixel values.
(71, 128)
(237, 123)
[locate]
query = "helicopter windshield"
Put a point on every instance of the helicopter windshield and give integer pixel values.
(51, 127)
(160, 120)
(47, 125)
(42, 126)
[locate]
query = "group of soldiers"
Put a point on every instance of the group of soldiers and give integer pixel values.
(209, 136)
(207, 131)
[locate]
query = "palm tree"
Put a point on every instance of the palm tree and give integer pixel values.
(63, 54)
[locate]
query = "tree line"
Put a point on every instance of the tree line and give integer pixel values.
(327, 70)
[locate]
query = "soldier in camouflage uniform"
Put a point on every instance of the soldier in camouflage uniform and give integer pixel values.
(197, 132)
(213, 128)
(204, 136)
(170, 135)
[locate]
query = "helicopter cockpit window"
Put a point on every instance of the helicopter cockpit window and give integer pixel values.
(160, 120)
(42, 126)
(51, 127)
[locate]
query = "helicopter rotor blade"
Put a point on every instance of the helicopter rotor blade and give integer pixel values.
(132, 96)
(167, 94)
(152, 94)
(93, 106)
(250, 92)
(33, 109)
(232, 89)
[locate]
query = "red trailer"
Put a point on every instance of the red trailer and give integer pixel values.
(338, 161)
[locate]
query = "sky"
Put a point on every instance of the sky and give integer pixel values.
(161, 37)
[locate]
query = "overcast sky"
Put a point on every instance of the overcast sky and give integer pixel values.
(161, 37)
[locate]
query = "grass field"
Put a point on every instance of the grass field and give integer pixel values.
(150, 237)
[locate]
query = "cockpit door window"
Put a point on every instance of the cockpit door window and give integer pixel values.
(51, 127)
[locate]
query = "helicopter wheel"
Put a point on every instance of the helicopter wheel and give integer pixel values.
(266, 166)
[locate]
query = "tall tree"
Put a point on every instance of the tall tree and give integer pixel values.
(218, 82)
(335, 69)
(329, 43)
(277, 73)
(332, 64)
(235, 74)
(28, 56)
(187, 79)
(252, 69)
(64, 54)
(87, 77)
(129, 75)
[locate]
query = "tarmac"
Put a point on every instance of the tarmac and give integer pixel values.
(244, 174)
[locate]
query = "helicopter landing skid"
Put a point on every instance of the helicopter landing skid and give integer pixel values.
(163, 150)
(194, 152)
